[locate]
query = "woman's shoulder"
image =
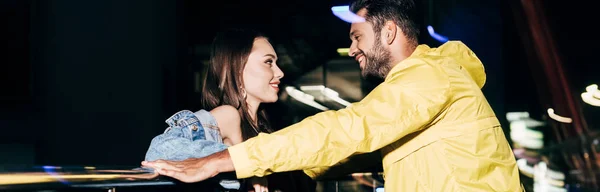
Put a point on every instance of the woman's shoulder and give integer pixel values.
(226, 115)
(229, 121)
(224, 109)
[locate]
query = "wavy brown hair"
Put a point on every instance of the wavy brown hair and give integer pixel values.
(223, 80)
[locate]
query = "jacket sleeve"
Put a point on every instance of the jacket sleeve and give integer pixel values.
(366, 162)
(406, 102)
(178, 143)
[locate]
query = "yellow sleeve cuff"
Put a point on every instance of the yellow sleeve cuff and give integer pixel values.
(241, 162)
(310, 174)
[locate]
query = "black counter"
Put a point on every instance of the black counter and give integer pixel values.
(110, 179)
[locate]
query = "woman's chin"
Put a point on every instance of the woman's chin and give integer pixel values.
(271, 100)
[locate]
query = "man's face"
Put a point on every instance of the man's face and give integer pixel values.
(368, 49)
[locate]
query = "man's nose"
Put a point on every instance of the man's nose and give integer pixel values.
(353, 50)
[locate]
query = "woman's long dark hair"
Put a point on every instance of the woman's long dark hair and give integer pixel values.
(223, 80)
(222, 86)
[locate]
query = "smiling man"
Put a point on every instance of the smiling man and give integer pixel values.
(434, 126)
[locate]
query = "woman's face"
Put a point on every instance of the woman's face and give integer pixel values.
(261, 74)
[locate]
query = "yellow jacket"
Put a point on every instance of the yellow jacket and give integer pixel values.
(435, 129)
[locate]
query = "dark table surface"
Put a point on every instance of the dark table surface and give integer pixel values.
(81, 178)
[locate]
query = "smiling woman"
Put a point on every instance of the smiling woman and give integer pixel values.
(242, 74)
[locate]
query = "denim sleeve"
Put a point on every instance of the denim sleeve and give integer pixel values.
(176, 145)
(185, 138)
(189, 135)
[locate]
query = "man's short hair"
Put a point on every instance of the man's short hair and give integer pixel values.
(402, 12)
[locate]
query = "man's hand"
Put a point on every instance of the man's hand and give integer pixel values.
(260, 184)
(193, 169)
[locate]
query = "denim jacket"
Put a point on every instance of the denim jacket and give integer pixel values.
(189, 135)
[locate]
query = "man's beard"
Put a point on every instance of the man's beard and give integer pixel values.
(377, 61)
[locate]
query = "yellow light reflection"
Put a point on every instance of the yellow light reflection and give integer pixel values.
(343, 51)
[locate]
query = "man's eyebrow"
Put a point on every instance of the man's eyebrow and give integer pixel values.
(352, 33)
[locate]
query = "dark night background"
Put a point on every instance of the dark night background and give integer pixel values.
(91, 82)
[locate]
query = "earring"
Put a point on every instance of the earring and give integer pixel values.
(244, 93)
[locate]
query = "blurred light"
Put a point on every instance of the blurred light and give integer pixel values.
(521, 131)
(590, 99)
(524, 168)
(558, 118)
(555, 175)
(513, 116)
(379, 189)
(343, 51)
(340, 8)
(523, 117)
(528, 143)
(543, 181)
(592, 95)
(50, 170)
(329, 93)
(593, 88)
(344, 13)
(304, 98)
(50, 167)
(436, 36)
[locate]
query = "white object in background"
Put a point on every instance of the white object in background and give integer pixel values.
(329, 93)
(344, 13)
(304, 98)
(513, 116)
(524, 117)
(524, 168)
(592, 95)
(521, 133)
(558, 117)
(544, 184)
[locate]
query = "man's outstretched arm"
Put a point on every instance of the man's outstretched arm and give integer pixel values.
(406, 102)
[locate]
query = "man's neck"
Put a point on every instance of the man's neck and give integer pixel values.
(401, 55)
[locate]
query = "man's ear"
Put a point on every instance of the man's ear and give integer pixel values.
(389, 32)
